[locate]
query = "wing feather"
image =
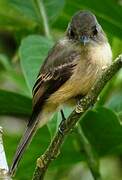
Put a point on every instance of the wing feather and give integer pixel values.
(56, 70)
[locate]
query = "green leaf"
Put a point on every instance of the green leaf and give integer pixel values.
(53, 125)
(111, 22)
(116, 47)
(24, 7)
(5, 62)
(16, 14)
(11, 18)
(18, 80)
(12, 76)
(120, 116)
(103, 130)
(29, 9)
(115, 102)
(14, 104)
(33, 51)
(53, 9)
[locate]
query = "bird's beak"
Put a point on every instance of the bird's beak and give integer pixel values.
(84, 39)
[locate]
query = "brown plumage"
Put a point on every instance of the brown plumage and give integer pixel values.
(69, 71)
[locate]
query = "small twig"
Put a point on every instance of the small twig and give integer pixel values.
(44, 17)
(91, 156)
(53, 150)
(3, 162)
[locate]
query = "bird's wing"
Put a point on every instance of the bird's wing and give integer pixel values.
(56, 70)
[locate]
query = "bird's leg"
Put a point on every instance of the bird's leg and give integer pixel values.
(63, 119)
(62, 115)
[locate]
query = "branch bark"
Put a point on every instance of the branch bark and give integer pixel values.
(3, 163)
(65, 127)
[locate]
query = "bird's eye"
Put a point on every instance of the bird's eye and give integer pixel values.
(95, 31)
(71, 33)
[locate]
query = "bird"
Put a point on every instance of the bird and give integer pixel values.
(68, 73)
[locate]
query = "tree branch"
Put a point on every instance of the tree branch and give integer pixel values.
(65, 127)
(3, 163)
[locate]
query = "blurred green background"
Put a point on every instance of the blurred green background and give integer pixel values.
(28, 29)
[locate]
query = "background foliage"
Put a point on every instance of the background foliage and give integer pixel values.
(24, 44)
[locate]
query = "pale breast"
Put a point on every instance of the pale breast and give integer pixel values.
(90, 66)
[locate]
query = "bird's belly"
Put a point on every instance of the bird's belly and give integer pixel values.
(79, 84)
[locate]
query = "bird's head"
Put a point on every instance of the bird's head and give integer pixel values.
(84, 28)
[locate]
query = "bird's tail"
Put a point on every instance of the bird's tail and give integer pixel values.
(25, 140)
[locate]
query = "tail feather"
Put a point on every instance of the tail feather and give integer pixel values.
(25, 140)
